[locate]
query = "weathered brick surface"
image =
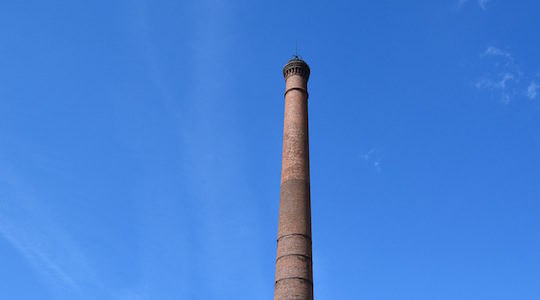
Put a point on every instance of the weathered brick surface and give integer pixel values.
(294, 289)
(297, 244)
(294, 274)
(294, 209)
(295, 137)
(293, 266)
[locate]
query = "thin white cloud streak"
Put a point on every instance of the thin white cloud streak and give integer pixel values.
(48, 249)
(151, 57)
(202, 157)
(482, 3)
(209, 57)
(31, 249)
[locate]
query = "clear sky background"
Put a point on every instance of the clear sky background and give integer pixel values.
(140, 148)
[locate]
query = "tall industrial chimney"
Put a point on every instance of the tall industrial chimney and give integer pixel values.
(294, 273)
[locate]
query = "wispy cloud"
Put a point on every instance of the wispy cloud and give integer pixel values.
(482, 3)
(500, 83)
(502, 75)
(372, 157)
(532, 90)
(504, 78)
(494, 51)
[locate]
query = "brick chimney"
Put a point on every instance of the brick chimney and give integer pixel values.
(294, 274)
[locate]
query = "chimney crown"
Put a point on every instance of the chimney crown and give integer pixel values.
(296, 66)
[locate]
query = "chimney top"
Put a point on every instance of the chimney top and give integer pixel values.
(296, 66)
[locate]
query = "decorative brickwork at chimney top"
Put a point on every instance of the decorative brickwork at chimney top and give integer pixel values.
(296, 66)
(294, 274)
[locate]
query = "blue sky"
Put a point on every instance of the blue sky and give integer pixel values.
(140, 148)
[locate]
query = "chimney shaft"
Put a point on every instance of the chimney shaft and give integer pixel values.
(294, 275)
